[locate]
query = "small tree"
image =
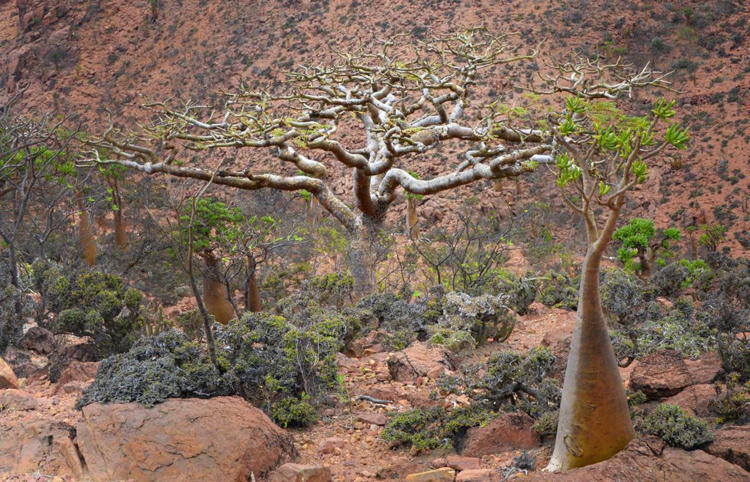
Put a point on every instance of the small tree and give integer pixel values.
(640, 239)
(369, 113)
(600, 155)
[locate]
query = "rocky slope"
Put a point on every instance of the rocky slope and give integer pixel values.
(87, 57)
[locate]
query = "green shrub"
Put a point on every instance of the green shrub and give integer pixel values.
(517, 382)
(480, 317)
(546, 424)
(558, 290)
(293, 412)
(676, 427)
(734, 405)
(432, 428)
(156, 368)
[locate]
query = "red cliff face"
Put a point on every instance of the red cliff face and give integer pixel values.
(83, 58)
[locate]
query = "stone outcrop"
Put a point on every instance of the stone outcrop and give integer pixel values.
(222, 438)
(733, 445)
(7, 376)
(508, 431)
(419, 360)
(665, 373)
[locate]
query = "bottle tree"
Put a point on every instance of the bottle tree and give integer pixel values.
(640, 239)
(601, 154)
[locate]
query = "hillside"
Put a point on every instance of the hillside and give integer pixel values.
(89, 57)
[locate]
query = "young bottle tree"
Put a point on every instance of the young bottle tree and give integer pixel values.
(601, 154)
(640, 239)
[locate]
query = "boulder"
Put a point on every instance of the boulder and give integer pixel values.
(444, 474)
(646, 460)
(660, 374)
(39, 340)
(332, 445)
(301, 473)
(479, 475)
(733, 445)
(7, 376)
(695, 399)
(508, 431)
(78, 371)
(418, 360)
(12, 399)
(222, 438)
(26, 363)
(71, 348)
(665, 373)
(373, 418)
(40, 447)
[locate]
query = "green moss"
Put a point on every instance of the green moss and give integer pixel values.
(676, 427)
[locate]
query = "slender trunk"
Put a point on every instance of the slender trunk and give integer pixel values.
(215, 293)
(202, 309)
(252, 291)
(646, 263)
(411, 217)
(312, 211)
(594, 421)
(121, 236)
(13, 328)
(85, 235)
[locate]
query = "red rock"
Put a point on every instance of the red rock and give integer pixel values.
(78, 371)
(301, 473)
(12, 399)
(478, 475)
(346, 363)
(372, 418)
(42, 447)
(38, 339)
(508, 431)
(644, 461)
(26, 363)
(418, 360)
(331, 445)
(733, 445)
(695, 399)
(444, 474)
(7, 376)
(705, 369)
(222, 438)
(660, 374)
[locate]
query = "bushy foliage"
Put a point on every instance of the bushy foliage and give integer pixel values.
(11, 297)
(94, 304)
(734, 405)
(514, 381)
(640, 239)
(481, 317)
(430, 428)
(168, 365)
(673, 425)
(293, 412)
(402, 322)
(558, 290)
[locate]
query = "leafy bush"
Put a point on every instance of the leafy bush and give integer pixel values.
(734, 406)
(431, 428)
(676, 427)
(156, 368)
(514, 381)
(481, 317)
(558, 290)
(293, 412)
(94, 304)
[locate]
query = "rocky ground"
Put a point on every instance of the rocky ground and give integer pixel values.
(44, 437)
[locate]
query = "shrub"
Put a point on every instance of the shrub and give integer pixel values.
(676, 427)
(558, 290)
(481, 317)
(734, 406)
(431, 428)
(156, 368)
(94, 304)
(514, 381)
(293, 412)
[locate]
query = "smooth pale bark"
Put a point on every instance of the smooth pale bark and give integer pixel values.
(215, 294)
(594, 422)
(362, 258)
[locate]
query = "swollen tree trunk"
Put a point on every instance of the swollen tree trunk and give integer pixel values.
(215, 294)
(85, 234)
(252, 291)
(594, 421)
